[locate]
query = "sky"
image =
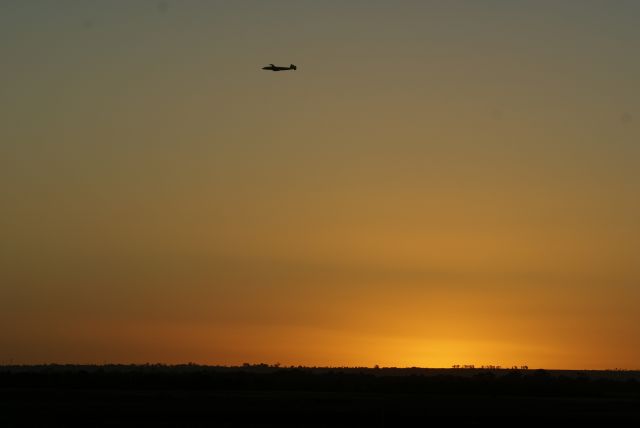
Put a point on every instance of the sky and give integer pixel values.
(439, 183)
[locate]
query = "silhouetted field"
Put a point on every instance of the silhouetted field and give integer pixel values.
(261, 396)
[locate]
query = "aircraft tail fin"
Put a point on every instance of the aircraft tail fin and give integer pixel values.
(293, 67)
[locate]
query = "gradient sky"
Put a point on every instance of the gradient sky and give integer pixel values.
(440, 182)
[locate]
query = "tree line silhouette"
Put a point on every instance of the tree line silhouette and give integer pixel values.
(273, 377)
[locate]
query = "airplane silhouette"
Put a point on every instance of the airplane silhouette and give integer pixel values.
(277, 68)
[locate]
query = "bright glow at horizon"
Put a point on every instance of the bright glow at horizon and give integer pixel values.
(438, 183)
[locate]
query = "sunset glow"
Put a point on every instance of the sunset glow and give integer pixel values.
(438, 183)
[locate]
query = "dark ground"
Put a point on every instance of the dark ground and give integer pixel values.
(260, 396)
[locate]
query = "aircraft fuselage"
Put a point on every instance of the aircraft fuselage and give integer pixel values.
(272, 67)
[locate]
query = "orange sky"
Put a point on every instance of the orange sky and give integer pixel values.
(438, 183)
